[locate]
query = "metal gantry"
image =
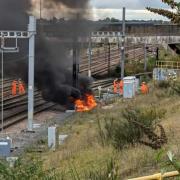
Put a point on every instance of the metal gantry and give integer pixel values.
(3, 50)
(29, 34)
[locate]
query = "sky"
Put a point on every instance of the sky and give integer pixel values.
(135, 9)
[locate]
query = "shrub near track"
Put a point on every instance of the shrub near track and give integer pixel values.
(135, 125)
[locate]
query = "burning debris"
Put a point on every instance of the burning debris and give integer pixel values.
(87, 104)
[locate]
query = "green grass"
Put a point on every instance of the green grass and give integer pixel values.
(88, 151)
(92, 151)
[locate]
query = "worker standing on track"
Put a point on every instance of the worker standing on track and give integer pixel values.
(144, 88)
(21, 87)
(115, 85)
(14, 88)
(121, 83)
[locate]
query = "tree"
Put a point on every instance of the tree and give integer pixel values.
(173, 15)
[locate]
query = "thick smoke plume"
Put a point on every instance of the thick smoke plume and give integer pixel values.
(53, 63)
(62, 8)
(69, 3)
(13, 14)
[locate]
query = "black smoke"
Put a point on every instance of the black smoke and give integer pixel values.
(69, 3)
(13, 14)
(53, 62)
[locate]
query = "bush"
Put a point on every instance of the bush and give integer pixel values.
(151, 63)
(27, 169)
(175, 87)
(145, 78)
(163, 84)
(136, 123)
(172, 86)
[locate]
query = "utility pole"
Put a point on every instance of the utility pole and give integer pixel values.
(40, 9)
(109, 58)
(76, 56)
(2, 84)
(123, 42)
(145, 57)
(89, 56)
(157, 53)
(32, 31)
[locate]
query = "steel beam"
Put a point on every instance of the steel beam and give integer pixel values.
(30, 34)
(32, 31)
(145, 57)
(14, 34)
(89, 57)
(123, 43)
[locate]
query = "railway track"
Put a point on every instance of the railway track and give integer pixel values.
(106, 83)
(15, 107)
(100, 64)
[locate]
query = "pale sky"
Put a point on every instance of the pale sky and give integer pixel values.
(135, 9)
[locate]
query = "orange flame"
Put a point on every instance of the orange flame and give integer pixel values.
(90, 101)
(85, 105)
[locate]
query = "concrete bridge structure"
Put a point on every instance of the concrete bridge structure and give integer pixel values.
(115, 37)
(136, 32)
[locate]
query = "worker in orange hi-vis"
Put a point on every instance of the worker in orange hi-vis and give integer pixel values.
(144, 88)
(14, 88)
(21, 87)
(115, 85)
(121, 84)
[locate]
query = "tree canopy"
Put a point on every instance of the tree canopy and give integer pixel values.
(173, 15)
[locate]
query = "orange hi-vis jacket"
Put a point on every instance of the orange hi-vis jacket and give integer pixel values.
(14, 88)
(144, 89)
(21, 88)
(121, 84)
(115, 85)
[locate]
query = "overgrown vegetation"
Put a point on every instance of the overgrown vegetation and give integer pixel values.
(30, 168)
(110, 172)
(117, 141)
(172, 86)
(134, 125)
(134, 67)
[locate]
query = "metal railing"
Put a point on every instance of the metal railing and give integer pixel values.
(158, 176)
(168, 64)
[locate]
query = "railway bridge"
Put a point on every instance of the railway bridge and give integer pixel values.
(136, 32)
(115, 37)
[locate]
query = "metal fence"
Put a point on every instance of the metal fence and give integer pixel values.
(168, 64)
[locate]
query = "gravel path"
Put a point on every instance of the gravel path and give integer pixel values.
(22, 139)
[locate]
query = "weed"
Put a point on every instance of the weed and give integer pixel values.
(135, 125)
(109, 173)
(173, 86)
(27, 169)
(100, 131)
(163, 84)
